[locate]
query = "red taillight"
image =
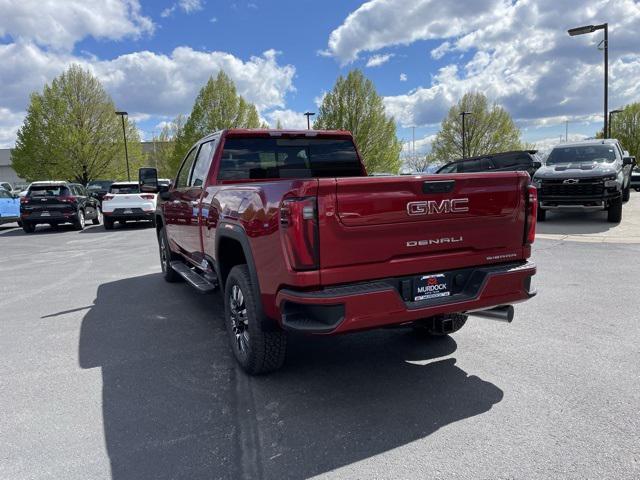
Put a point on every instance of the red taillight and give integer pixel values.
(68, 199)
(147, 196)
(299, 225)
(532, 214)
(107, 197)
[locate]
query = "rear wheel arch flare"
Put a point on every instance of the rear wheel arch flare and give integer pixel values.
(229, 242)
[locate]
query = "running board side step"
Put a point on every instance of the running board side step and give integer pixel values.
(194, 279)
(503, 313)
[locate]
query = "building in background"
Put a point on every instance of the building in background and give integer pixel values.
(7, 174)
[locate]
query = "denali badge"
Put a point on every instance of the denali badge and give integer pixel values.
(455, 205)
(571, 181)
(434, 241)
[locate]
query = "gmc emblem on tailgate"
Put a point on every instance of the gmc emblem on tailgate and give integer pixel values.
(454, 205)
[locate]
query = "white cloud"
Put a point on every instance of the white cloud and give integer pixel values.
(62, 24)
(213, 20)
(148, 83)
(518, 53)
(380, 23)
(403, 77)
(9, 124)
(288, 118)
(187, 6)
(377, 60)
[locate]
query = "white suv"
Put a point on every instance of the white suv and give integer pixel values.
(124, 202)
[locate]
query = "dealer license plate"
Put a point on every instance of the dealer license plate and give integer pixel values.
(427, 287)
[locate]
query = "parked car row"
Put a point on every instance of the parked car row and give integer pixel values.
(60, 202)
(592, 175)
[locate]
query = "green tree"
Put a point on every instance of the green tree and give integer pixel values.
(217, 106)
(625, 126)
(489, 129)
(162, 150)
(354, 105)
(71, 132)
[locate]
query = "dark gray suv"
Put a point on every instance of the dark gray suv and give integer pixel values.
(587, 175)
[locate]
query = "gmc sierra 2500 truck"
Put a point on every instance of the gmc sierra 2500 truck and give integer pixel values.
(290, 228)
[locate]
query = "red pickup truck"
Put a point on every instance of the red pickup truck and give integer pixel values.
(297, 237)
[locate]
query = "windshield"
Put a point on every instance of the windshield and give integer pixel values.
(125, 188)
(258, 158)
(48, 191)
(582, 154)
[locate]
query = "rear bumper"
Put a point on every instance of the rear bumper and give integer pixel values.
(590, 202)
(8, 219)
(53, 217)
(380, 303)
(129, 216)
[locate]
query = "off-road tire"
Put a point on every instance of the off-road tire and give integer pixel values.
(441, 325)
(614, 212)
(626, 194)
(262, 350)
(166, 257)
(28, 227)
(108, 223)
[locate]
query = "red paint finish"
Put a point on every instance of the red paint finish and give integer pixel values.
(364, 232)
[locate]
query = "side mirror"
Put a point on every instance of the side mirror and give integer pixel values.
(148, 180)
(536, 164)
(628, 161)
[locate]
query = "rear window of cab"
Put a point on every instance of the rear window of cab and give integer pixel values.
(48, 191)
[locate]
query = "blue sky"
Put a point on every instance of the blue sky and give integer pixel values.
(283, 54)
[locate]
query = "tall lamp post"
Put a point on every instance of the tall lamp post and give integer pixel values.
(590, 29)
(308, 115)
(124, 133)
(611, 114)
(464, 136)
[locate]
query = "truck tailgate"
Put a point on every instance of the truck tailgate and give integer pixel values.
(376, 227)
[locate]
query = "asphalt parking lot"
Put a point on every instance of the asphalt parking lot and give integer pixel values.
(109, 372)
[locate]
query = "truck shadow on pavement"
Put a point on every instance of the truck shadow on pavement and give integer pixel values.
(176, 406)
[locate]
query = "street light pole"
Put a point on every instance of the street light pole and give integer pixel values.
(124, 134)
(611, 114)
(590, 29)
(308, 115)
(464, 114)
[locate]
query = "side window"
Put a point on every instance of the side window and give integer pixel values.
(74, 190)
(4, 193)
(203, 162)
(183, 175)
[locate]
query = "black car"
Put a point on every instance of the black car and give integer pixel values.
(99, 188)
(514, 161)
(54, 203)
(590, 175)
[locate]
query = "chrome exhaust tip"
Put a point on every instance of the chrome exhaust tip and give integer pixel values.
(503, 313)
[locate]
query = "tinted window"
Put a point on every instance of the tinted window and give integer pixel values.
(583, 153)
(513, 161)
(183, 175)
(4, 193)
(48, 191)
(124, 188)
(202, 165)
(257, 158)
